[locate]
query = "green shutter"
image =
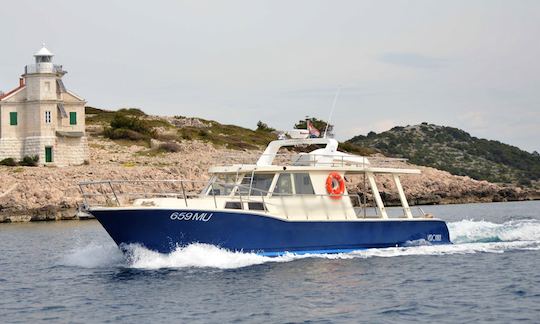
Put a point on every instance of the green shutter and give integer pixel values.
(48, 154)
(13, 118)
(73, 118)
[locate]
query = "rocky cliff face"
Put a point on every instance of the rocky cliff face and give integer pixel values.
(49, 193)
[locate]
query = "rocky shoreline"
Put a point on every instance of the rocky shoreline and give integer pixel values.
(50, 193)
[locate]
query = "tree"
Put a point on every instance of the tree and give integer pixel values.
(263, 127)
(318, 123)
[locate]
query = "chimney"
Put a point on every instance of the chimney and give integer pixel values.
(21, 82)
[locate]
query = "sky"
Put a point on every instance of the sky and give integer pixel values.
(471, 64)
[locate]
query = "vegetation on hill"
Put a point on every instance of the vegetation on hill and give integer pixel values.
(133, 126)
(457, 152)
(263, 127)
(230, 136)
(136, 126)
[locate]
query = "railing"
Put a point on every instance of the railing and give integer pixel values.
(124, 193)
(329, 160)
(44, 67)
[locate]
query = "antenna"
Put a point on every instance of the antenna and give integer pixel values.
(332, 111)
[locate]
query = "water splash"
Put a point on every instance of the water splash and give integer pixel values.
(94, 255)
(469, 231)
(469, 237)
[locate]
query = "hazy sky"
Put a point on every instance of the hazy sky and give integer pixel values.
(468, 64)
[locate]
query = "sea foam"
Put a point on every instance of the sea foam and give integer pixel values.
(468, 236)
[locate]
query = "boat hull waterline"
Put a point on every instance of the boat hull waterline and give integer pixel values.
(163, 230)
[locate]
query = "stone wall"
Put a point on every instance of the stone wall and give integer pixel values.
(71, 151)
(11, 148)
(35, 145)
(66, 151)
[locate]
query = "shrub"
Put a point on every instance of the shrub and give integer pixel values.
(128, 127)
(122, 133)
(263, 127)
(170, 147)
(30, 161)
(8, 162)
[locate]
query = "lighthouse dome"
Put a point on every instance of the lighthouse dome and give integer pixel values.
(43, 52)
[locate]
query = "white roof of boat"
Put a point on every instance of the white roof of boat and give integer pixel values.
(242, 168)
(324, 159)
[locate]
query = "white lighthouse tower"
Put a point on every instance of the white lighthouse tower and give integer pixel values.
(42, 118)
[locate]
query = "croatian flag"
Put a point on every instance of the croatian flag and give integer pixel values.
(313, 132)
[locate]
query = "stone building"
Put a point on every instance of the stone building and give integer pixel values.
(41, 117)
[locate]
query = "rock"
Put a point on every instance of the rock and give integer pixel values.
(53, 193)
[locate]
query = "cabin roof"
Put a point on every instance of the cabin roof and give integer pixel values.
(244, 168)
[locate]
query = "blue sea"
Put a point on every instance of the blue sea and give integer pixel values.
(72, 272)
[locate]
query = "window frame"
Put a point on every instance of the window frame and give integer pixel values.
(254, 191)
(278, 194)
(13, 118)
(72, 118)
(294, 184)
(48, 117)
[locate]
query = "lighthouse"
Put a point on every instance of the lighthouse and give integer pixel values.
(42, 118)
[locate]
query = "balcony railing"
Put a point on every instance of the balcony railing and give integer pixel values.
(43, 68)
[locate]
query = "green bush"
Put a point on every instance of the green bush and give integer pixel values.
(30, 161)
(8, 162)
(170, 147)
(263, 127)
(122, 133)
(133, 128)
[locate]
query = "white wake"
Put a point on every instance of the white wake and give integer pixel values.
(468, 237)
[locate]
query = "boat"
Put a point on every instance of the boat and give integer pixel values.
(283, 203)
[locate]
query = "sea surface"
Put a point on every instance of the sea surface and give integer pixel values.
(71, 271)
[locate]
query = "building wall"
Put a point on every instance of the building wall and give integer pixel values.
(32, 134)
(71, 151)
(11, 148)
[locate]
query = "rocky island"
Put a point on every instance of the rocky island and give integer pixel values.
(128, 145)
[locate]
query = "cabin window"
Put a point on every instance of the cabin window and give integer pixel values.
(13, 118)
(223, 185)
(259, 185)
(73, 118)
(233, 205)
(47, 117)
(256, 206)
(302, 184)
(283, 185)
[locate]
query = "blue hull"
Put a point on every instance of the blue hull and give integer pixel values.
(163, 230)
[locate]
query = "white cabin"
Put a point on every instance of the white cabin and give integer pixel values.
(290, 187)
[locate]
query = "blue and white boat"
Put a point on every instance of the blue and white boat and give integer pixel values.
(282, 203)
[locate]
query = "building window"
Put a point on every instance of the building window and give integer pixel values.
(73, 118)
(47, 117)
(47, 86)
(13, 118)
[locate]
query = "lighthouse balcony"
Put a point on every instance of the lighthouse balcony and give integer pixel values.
(44, 67)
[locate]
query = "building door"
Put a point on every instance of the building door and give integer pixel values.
(48, 154)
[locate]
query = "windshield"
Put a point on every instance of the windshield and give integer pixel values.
(222, 184)
(259, 185)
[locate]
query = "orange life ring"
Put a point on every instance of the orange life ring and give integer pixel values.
(335, 185)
